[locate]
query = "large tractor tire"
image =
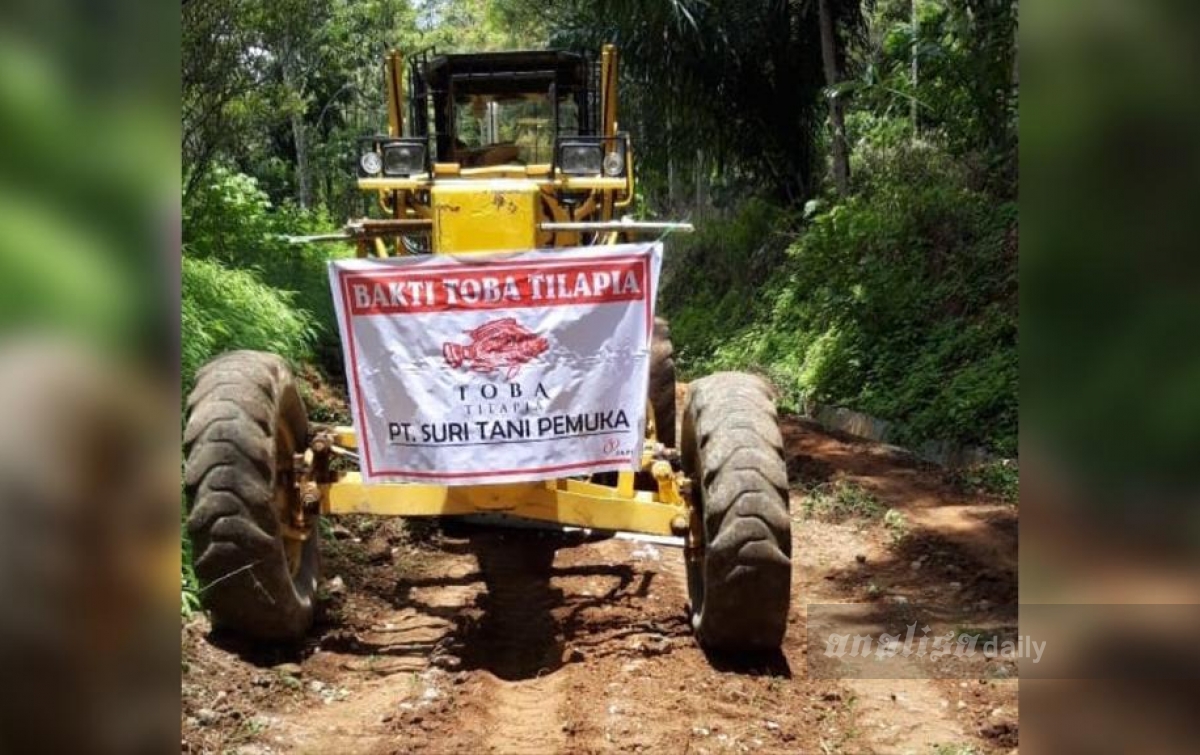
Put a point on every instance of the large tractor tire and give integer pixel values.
(740, 587)
(245, 422)
(662, 382)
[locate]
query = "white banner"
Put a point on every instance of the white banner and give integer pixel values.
(468, 369)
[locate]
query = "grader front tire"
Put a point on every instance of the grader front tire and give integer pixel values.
(245, 422)
(740, 588)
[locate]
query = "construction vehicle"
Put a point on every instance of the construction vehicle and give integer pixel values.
(527, 145)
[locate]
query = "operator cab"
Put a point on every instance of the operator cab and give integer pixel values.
(537, 114)
(498, 151)
(501, 108)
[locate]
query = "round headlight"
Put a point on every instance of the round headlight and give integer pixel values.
(371, 163)
(613, 164)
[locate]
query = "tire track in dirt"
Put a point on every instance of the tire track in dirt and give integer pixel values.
(516, 642)
(555, 610)
(641, 684)
(527, 717)
(375, 668)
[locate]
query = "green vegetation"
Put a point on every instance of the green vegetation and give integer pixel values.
(1000, 479)
(896, 294)
(953, 749)
(899, 301)
(189, 601)
(896, 525)
(841, 501)
(232, 227)
(231, 309)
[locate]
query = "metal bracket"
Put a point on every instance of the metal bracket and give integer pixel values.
(367, 229)
(625, 226)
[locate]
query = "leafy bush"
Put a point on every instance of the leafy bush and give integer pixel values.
(708, 274)
(231, 220)
(225, 309)
(899, 301)
(999, 478)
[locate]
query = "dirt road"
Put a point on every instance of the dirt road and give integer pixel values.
(458, 640)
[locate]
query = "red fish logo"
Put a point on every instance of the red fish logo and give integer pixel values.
(502, 343)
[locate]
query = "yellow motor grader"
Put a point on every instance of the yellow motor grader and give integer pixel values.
(490, 152)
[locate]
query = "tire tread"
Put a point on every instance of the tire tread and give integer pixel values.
(229, 446)
(733, 447)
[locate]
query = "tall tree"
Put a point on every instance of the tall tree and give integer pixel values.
(217, 73)
(741, 80)
(293, 85)
(837, 113)
(915, 105)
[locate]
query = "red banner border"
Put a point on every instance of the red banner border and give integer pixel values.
(365, 444)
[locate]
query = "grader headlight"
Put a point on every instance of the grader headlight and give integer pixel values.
(614, 164)
(403, 158)
(593, 156)
(580, 158)
(370, 163)
(392, 157)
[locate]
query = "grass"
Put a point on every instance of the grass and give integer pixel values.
(899, 301)
(897, 526)
(224, 309)
(291, 682)
(841, 501)
(249, 729)
(190, 593)
(189, 602)
(1001, 479)
(953, 749)
(969, 632)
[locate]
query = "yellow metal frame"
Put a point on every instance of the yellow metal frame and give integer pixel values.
(570, 183)
(570, 501)
(456, 199)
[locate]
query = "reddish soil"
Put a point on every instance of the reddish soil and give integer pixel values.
(456, 639)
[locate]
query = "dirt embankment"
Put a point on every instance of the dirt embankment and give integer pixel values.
(450, 639)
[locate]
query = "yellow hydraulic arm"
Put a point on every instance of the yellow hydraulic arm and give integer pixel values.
(395, 93)
(608, 89)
